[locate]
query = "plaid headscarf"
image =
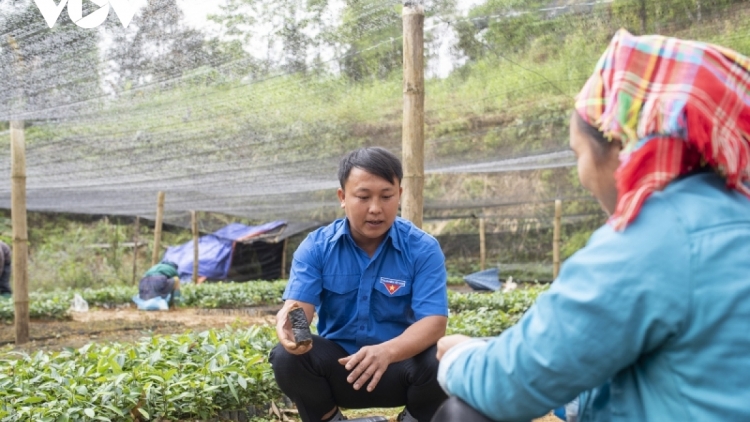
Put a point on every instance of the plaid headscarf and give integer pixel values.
(676, 106)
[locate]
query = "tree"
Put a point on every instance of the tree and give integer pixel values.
(45, 72)
(281, 33)
(294, 35)
(158, 46)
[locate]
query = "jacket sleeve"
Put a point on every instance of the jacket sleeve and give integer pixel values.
(623, 295)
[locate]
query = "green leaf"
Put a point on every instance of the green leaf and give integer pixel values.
(156, 378)
(89, 412)
(114, 409)
(114, 366)
(232, 389)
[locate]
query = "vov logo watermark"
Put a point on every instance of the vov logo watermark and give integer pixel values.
(51, 11)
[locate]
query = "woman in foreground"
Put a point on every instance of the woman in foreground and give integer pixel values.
(651, 320)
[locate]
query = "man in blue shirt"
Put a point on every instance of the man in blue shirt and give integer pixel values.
(378, 284)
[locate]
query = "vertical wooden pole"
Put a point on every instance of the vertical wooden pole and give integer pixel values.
(115, 244)
(482, 245)
(20, 231)
(283, 259)
(413, 122)
(642, 14)
(194, 225)
(135, 249)
(483, 231)
(556, 239)
(157, 228)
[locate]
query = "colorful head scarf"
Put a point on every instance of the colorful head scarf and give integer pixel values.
(676, 106)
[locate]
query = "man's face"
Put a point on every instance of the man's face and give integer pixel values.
(371, 206)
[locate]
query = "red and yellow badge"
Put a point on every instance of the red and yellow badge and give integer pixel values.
(392, 285)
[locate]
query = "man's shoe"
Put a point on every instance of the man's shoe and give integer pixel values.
(338, 416)
(405, 416)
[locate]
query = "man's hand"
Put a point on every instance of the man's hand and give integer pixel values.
(446, 343)
(285, 334)
(369, 363)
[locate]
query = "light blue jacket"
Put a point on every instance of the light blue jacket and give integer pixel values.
(651, 323)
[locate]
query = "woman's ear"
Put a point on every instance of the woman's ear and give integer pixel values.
(614, 153)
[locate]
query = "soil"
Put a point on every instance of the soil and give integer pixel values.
(130, 324)
(392, 415)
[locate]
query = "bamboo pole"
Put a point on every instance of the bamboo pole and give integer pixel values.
(556, 239)
(194, 225)
(157, 228)
(482, 245)
(115, 244)
(20, 231)
(643, 17)
(483, 231)
(413, 121)
(135, 248)
(283, 259)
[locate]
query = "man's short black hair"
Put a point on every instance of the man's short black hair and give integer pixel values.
(374, 160)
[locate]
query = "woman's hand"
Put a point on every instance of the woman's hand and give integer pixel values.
(447, 342)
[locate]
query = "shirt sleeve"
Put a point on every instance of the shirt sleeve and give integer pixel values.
(430, 291)
(305, 279)
(624, 295)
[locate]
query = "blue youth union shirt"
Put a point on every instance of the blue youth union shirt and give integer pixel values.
(363, 301)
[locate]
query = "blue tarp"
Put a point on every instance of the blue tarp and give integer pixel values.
(214, 250)
(484, 280)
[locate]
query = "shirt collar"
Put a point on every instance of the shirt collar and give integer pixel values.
(344, 230)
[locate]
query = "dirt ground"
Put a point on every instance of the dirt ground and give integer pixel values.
(392, 414)
(130, 324)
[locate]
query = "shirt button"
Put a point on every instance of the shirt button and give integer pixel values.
(364, 297)
(361, 327)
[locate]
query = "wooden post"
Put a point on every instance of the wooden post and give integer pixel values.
(413, 122)
(194, 225)
(556, 239)
(482, 245)
(20, 232)
(157, 228)
(483, 231)
(643, 17)
(135, 249)
(283, 259)
(115, 244)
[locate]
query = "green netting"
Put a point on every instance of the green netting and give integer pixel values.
(243, 107)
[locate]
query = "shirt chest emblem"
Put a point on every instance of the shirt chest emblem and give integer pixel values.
(392, 285)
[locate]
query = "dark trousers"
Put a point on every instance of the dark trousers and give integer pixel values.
(456, 410)
(5, 280)
(316, 382)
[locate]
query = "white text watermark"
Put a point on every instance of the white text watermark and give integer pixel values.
(51, 11)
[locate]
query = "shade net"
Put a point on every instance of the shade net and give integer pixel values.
(244, 107)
